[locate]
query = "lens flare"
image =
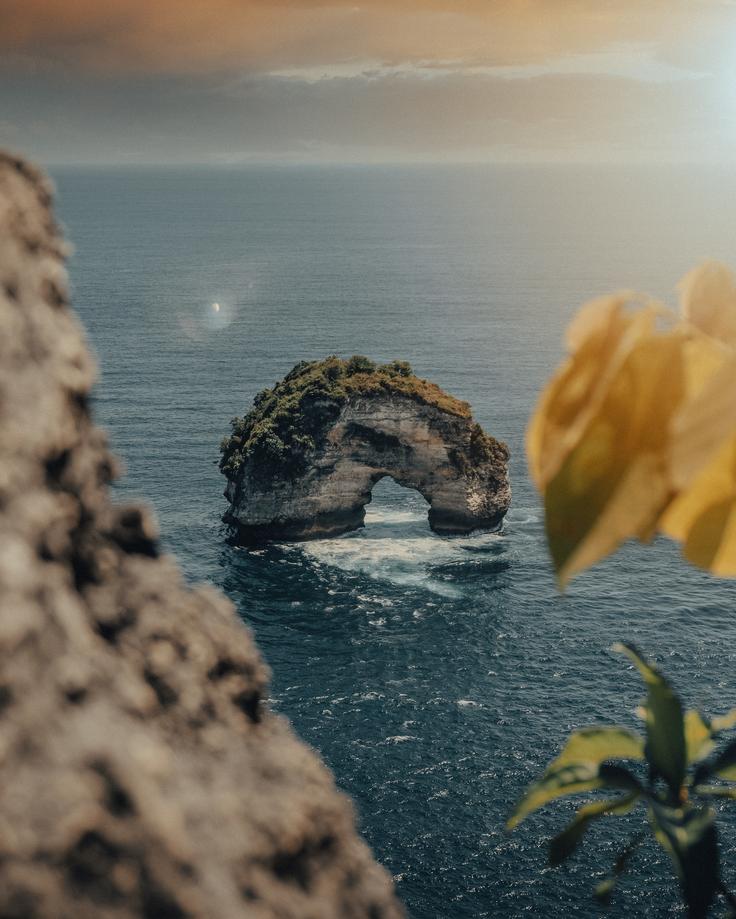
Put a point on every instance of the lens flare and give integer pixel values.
(218, 315)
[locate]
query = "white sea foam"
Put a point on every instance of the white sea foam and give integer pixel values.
(404, 560)
(389, 516)
(397, 546)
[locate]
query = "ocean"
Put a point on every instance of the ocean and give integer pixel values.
(435, 676)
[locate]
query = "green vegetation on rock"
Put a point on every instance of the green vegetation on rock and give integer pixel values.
(287, 423)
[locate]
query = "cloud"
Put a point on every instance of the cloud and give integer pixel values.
(180, 36)
(236, 80)
(451, 117)
(634, 62)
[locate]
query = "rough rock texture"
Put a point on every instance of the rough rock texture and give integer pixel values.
(140, 772)
(359, 427)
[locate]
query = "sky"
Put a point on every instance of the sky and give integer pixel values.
(242, 81)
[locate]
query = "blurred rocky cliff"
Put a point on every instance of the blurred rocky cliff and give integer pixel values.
(141, 773)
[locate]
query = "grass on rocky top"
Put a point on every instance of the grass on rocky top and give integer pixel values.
(287, 422)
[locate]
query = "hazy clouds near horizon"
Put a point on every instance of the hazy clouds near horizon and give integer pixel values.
(311, 80)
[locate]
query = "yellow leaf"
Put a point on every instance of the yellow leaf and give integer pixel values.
(601, 337)
(636, 433)
(702, 357)
(708, 416)
(614, 482)
(703, 517)
(708, 301)
(596, 316)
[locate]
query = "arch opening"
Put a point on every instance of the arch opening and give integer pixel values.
(393, 505)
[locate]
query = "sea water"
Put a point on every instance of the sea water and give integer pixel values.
(435, 676)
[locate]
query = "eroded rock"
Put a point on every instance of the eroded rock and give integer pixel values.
(141, 773)
(303, 463)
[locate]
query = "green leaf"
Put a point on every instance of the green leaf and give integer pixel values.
(716, 791)
(562, 846)
(723, 722)
(604, 890)
(698, 736)
(570, 779)
(615, 776)
(665, 749)
(556, 782)
(597, 744)
(689, 836)
(724, 764)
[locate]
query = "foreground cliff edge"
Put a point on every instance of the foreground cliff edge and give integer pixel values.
(303, 463)
(141, 774)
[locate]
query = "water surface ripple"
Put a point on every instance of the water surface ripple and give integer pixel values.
(435, 676)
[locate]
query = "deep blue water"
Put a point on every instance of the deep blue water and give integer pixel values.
(435, 676)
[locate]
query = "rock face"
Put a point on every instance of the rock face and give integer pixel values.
(303, 463)
(141, 773)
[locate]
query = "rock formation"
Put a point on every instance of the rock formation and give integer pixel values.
(303, 462)
(141, 773)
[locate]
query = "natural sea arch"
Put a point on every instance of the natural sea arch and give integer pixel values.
(303, 463)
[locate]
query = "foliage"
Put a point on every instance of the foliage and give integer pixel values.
(398, 368)
(636, 432)
(483, 447)
(359, 364)
(674, 771)
(288, 423)
(636, 435)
